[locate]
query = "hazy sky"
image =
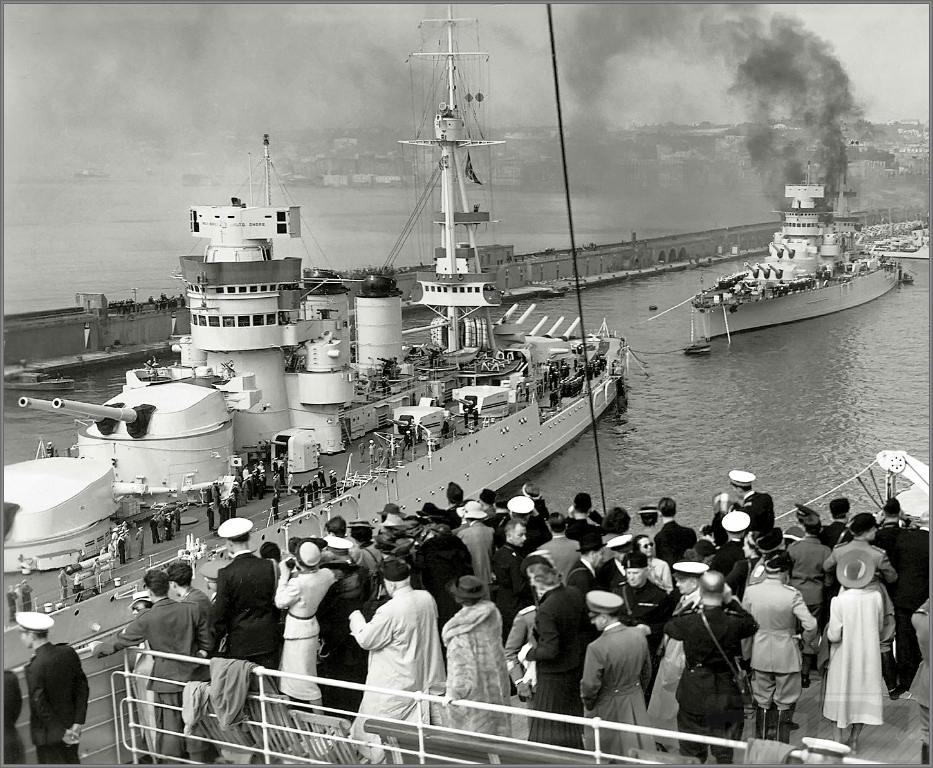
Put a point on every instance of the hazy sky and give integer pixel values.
(82, 79)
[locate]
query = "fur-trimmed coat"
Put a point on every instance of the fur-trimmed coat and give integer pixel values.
(476, 668)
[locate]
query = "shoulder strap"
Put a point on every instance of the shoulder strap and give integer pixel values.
(716, 642)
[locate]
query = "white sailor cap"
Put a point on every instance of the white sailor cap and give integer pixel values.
(234, 528)
(740, 477)
(736, 521)
(338, 542)
(521, 505)
(34, 622)
(619, 541)
(474, 510)
(689, 568)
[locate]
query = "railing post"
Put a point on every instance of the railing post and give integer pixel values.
(597, 746)
(132, 709)
(260, 672)
(421, 756)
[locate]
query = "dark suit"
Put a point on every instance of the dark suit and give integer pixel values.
(203, 603)
(673, 540)
(911, 560)
(173, 628)
(244, 610)
(710, 701)
(58, 693)
(581, 578)
(649, 605)
(887, 537)
(512, 590)
(829, 534)
(576, 528)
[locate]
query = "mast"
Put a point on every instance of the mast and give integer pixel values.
(458, 287)
(267, 168)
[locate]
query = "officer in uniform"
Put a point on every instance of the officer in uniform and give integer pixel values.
(58, 691)
(863, 528)
(839, 511)
(775, 657)
(645, 604)
(710, 702)
(611, 574)
(244, 611)
(734, 524)
(616, 674)
(741, 482)
(751, 569)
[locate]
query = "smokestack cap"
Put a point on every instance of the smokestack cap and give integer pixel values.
(379, 287)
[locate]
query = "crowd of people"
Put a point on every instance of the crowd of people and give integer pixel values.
(131, 307)
(485, 599)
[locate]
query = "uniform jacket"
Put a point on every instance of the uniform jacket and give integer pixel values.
(170, 627)
(912, 561)
(560, 631)
(520, 633)
(564, 552)
(761, 520)
(649, 605)
(886, 538)
(707, 685)
(58, 692)
(478, 540)
(884, 571)
(673, 540)
(727, 556)
(777, 608)
(611, 576)
(808, 574)
(616, 663)
(243, 610)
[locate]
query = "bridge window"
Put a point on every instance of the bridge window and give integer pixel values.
(242, 289)
(270, 318)
(213, 321)
(253, 288)
(259, 319)
(242, 321)
(231, 289)
(229, 322)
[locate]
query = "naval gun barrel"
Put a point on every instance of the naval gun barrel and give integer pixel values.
(97, 412)
(36, 404)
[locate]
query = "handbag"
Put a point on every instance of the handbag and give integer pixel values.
(739, 675)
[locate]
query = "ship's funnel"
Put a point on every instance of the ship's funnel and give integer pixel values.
(378, 322)
(538, 327)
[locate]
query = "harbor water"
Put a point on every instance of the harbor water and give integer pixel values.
(804, 406)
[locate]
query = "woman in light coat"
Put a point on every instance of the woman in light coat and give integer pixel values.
(854, 687)
(476, 666)
(301, 592)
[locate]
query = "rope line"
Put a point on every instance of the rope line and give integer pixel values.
(573, 253)
(831, 490)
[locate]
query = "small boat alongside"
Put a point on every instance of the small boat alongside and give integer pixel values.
(34, 381)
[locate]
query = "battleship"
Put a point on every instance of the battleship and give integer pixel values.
(812, 269)
(277, 367)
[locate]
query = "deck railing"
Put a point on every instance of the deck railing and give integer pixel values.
(278, 729)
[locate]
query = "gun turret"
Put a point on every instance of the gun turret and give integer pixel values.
(97, 412)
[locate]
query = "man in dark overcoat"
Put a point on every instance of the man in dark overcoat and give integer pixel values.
(58, 691)
(710, 702)
(673, 539)
(911, 560)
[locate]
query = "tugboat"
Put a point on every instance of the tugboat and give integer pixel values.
(35, 381)
(276, 368)
(811, 270)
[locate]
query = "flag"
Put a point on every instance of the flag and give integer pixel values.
(468, 171)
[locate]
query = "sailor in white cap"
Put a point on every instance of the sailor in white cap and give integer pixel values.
(300, 592)
(521, 505)
(687, 578)
(735, 524)
(612, 573)
(741, 482)
(55, 677)
(616, 673)
(244, 611)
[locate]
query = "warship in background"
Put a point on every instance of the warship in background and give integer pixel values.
(812, 269)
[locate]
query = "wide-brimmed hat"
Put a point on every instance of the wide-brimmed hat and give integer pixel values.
(309, 554)
(590, 541)
(474, 510)
(648, 514)
(854, 569)
(141, 599)
(769, 540)
(466, 588)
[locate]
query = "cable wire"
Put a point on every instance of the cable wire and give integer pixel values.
(573, 253)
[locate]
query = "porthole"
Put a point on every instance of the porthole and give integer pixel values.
(77, 611)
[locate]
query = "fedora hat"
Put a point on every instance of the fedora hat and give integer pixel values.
(854, 569)
(467, 588)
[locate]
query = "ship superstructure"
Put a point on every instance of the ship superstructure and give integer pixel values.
(810, 270)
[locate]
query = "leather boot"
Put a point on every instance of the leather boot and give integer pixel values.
(793, 726)
(785, 716)
(771, 723)
(760, 714)
(806, 666)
